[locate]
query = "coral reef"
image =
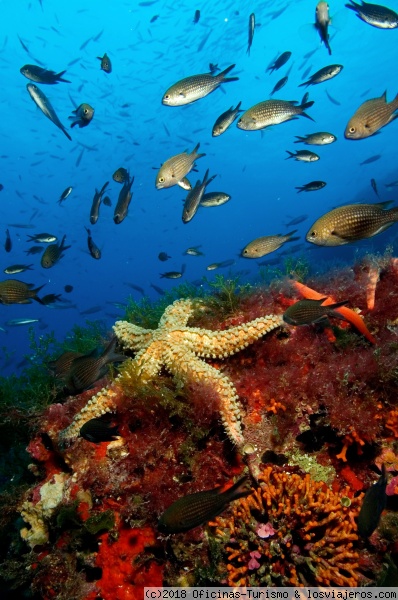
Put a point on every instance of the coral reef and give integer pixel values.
(316, 416)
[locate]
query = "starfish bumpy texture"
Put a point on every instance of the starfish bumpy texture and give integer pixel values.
(180, 350)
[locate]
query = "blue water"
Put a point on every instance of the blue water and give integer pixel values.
(132, 129)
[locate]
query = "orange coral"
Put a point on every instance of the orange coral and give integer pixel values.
(291, 531)
(392, 422)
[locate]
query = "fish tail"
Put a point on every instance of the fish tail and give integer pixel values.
(66, 133)
(62, 247)
(238, 106)
(195, 154)
(60, 78)
(35, 292)
(300, 188)
(221, 76)
(238, 490)
(304, 106)
(299, 139)
(291, 154)
(109, 355)
(353, 6)
(306, 83)
(290, 234)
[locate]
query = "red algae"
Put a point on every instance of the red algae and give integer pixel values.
(321, 402)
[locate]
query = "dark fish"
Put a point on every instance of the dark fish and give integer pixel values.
(196, 16)
(158, 289)
(332, 100)
(121, 175)
(87, 369)
(221, 265)
(252, 26)
(51, 298)
(98, 430)
(375, 14)
(323, 74)
(14, 269)
(370, 159)
(322, 22)
(225, 120)
(107, 201)
(171, 275)
(351, 223)
(213, 68)
(8, 242)
(195, 509)
(1, 187)
(65, 194)
(34, 250)
(204, 40)
(40, 75)
(45, 106)
(271, 112)
(154, 18)
(374, 186)
(84, 44)
(68, 288)
(279, 85)
(82, 115)
(305, 98)
(123, 202)
(53, 253)
(305, 312)
(195, 87)
(373, 504)
(163, 256)
(106, 64)
(279, 62)
(42, 238)
(194, 197)
(92, 246)
(13, 291)
(94, 212)
(312, 186)
(193, 251)
(296, 220)
(371, 116)
(321, 138)
(303, 155)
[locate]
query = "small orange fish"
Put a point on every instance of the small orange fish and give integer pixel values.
(345, 312)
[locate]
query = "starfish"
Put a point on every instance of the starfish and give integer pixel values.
(180, 350)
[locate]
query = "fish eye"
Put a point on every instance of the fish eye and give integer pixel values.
(85, 111)
(352, 129)
(167, 96)
(313, 234)
(161, 179)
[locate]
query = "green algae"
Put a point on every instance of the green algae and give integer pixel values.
(103, 521)
(309, 464)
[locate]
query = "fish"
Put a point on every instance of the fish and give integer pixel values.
(320, 138)
(312, 186)
(21, 321)
(34, 250)
(163, 256)
(252, 26)
(195, 509)
(53, 253)
(68, 288)
(332, 100)
(193, 251)
(92, 246)
(51, 299)
(374, 187)
(370, 160)
(106, 64)
(107, 201)
(279, 85)
(87, 369)
(171, 275)
(225, 120)
(392, 184)
(322, 22)
(14, 269)
(8, 242)
(267, 244)
(65, 194)
(174, 169)
(158, 289)
(279, 62)
(375, 14)
(13, 291)
(373, 504)
(195, 87)
(352, 223)
(42, 238)
(154, 18)
(82, 115)
(303, 155)
(194, 197)
(45, 106)
(196, 16)
(98, 430)
(323, 74)
(271, 112)
(221, 265)
(1, 187)
(371, 116)
(135, 287)
(121, 175)
(211, 199)
(123, 202)
(306, 312)
(185, 184)
(60, 366)
(94, 212)
(40, 75)
(296, 220)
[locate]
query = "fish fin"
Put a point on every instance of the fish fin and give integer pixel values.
(304, 114)
(239, 105)
(67, 134)
(300, 188)
(299, 139)
(384, 96)
(291, 154)
(59, 77)
(109, 354)
(238, 490)
(306, 83)
(36, 291)
(222, 74)
(393, 116)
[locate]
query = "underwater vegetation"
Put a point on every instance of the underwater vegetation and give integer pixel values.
(313, 413)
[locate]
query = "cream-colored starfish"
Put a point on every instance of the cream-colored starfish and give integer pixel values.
(179, 349)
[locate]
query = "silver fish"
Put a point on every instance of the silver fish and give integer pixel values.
(214, 199)
(123, 202)
(94, 212)
(271, 112)
(322, 22)
(195, 87)
(45, 106)
(375, 14)
(323, 74)
(303, 155)
(173, 170)
(194, 197)
(321, 138)
(225, 120)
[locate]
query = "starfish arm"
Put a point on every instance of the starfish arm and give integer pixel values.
(177, 314)
(149, 361)
(187, 367)
(220, 344)
(131, 336)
